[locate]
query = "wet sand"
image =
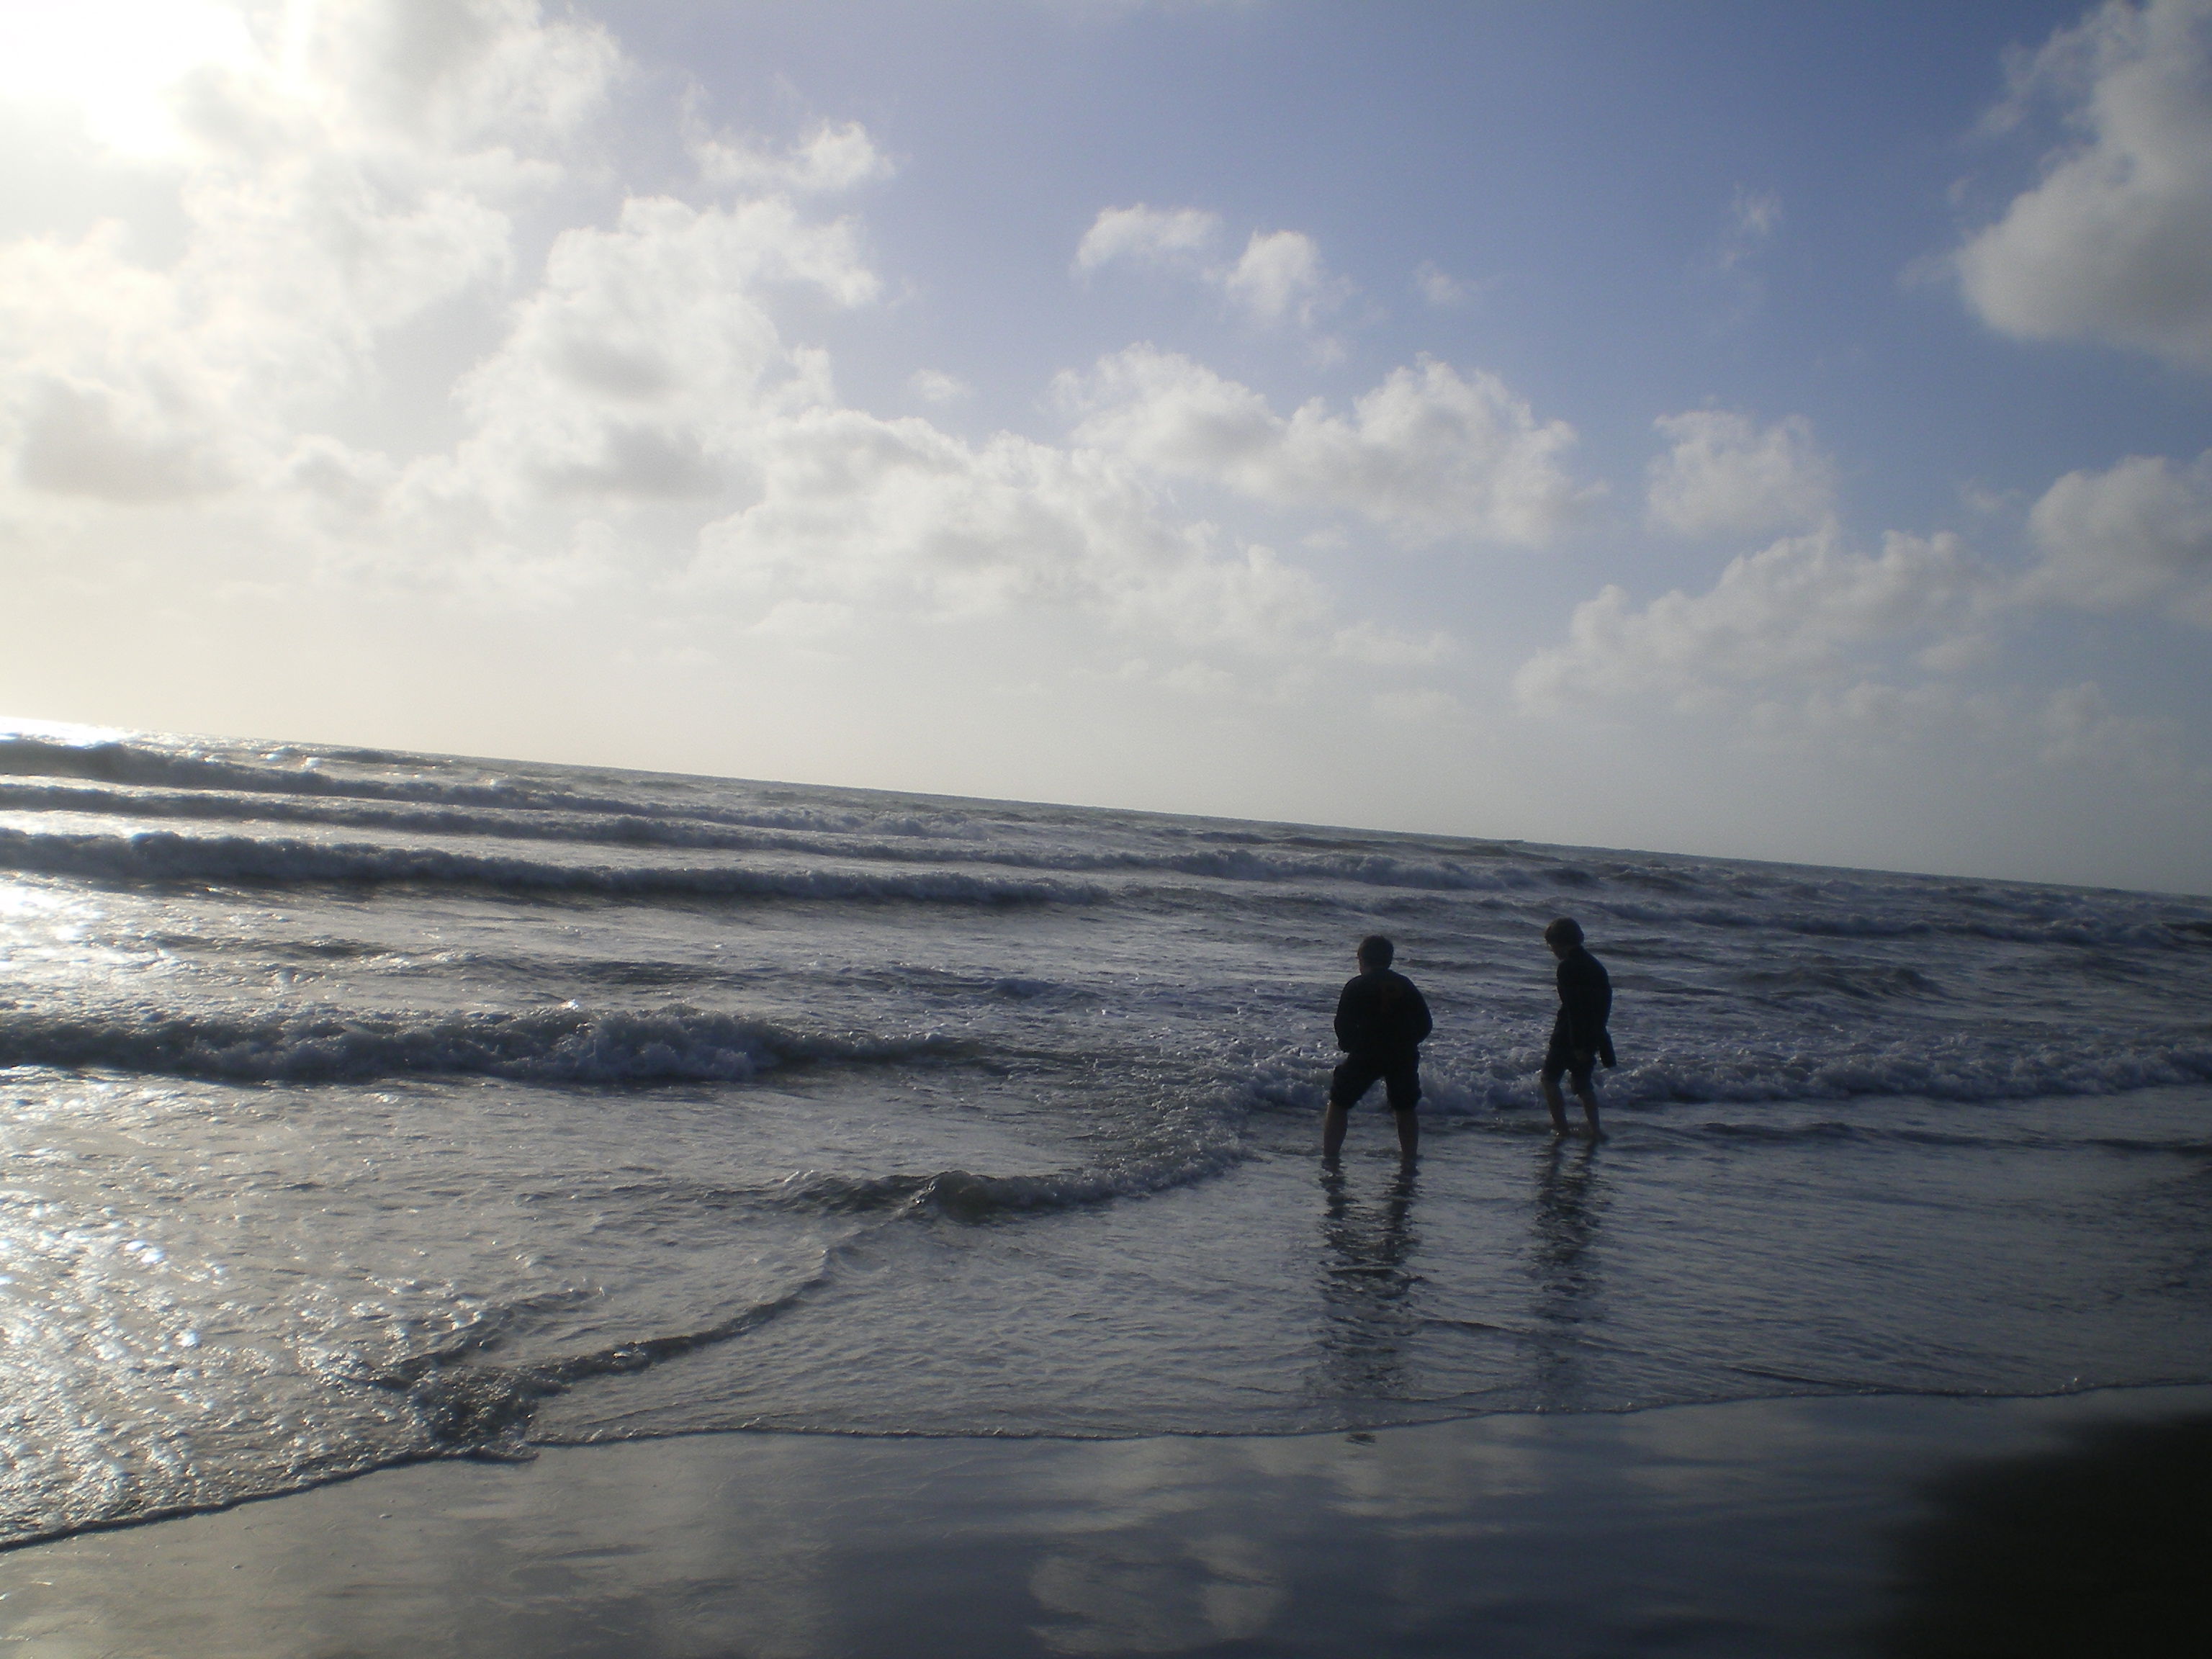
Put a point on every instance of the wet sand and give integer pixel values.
(1902, 1527)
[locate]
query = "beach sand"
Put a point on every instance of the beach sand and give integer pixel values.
(1907, 1526)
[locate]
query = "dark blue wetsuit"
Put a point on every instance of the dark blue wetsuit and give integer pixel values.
(1579, 1034)
(1380, 1022)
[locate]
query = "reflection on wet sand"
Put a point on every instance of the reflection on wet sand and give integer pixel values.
(1120, 1594)
(1366, 1290)
(1570, 1201)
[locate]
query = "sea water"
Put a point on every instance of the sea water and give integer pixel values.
(363, 1107)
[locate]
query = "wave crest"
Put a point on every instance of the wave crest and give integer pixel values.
(555, 1045)
(163, 855)
(1951, 1069)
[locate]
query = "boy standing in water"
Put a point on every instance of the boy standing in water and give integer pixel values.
(1380, 1022)
(1578, 1034)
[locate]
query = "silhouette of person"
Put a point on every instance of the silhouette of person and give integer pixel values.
(1380, 1022)
(1579, 1041)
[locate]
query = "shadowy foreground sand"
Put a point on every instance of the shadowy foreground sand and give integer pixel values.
(1896, 1527)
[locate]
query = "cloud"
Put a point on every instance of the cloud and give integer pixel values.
(1723, 475)
(646, 362)
(647, 372)
(832, 158)
(897, 517)
(2114, 243)
(1753, 216)
(86, 439)
(473, 76)
(2136, 535)
(1177, 238)
(2078, 725)
(934, 386)
(1804, 611)
(1429, 455)
(1280, 277)
(1441, 289)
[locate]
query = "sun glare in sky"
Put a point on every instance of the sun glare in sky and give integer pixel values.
(116, 61)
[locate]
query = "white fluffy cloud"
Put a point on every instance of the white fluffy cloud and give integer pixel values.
(833, 157)
(2138, 534)
(1278, 279)
(1724, 476)
(1431, 454)
(1180, 238)
(2114, 243)
(1804, 611)
(935, 385)
(480, 86)
(1440, 288)
(898, 517)
(646, 362)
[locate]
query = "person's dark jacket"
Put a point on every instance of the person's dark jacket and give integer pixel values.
(1380, 1013)
(1585, 1004)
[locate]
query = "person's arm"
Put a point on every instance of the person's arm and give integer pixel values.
(1604, 1013)
(1417, 1022)
(1347, 1017)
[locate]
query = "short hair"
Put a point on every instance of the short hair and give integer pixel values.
(1375, 951)
(1565, 931)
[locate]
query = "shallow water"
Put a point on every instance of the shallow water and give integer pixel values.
(364, 1107)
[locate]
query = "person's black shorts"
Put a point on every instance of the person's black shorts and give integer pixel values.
(1356, 1075)
(1561, 1061)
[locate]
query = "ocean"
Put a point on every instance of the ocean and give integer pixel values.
(363, 1108)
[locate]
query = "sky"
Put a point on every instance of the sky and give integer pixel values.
(1775, 432)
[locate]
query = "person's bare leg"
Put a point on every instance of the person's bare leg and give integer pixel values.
(1587, 1096)
(1332, 1125)
(1409, 1136)
(1555, 1104)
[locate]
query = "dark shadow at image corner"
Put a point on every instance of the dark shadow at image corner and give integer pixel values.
(2099, 1549)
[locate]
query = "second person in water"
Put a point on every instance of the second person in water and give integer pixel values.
(1579, 1041)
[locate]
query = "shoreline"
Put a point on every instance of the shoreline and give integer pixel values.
(1753, 1527)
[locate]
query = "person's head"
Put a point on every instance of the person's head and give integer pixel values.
(1374, 953)
(1562, 935)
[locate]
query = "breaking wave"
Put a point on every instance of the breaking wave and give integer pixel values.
(632, 829)
(564, 1045)
(1951, 1068)
(163, 855)
(2032, 925)
(141, 765)
(1176, 1153)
